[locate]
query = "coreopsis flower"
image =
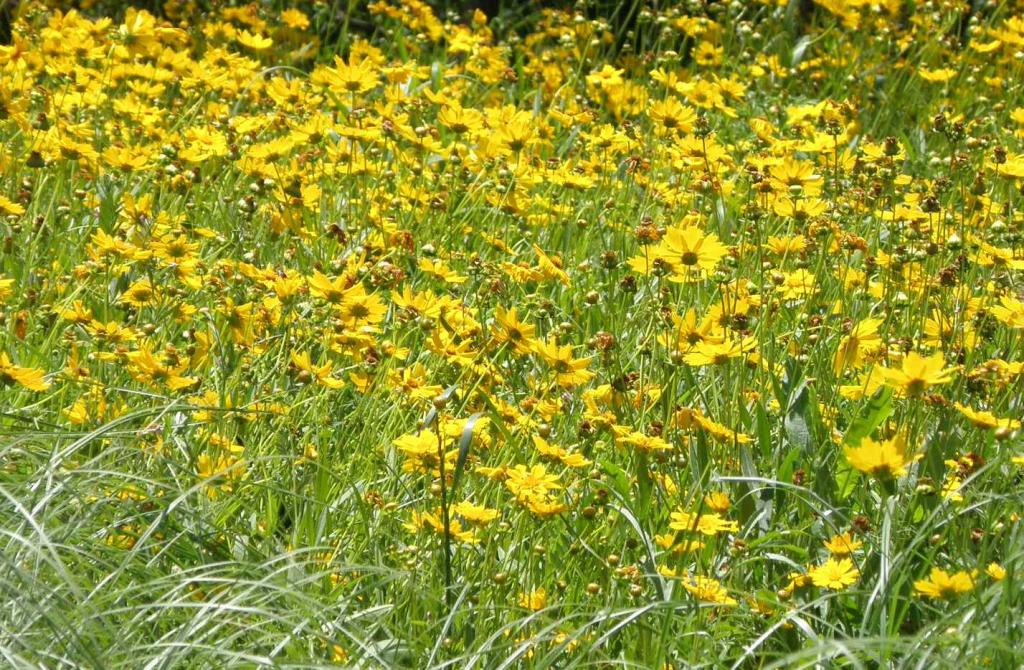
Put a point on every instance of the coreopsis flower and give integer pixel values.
(422, 451)
(938, 75)
(219, 474)
(886, 459)
(569, 371)
(147, 367)
(441, 271)
(352, 78)
(518, 334)
(478, 515)
(943, 585)
(327, 289)
(10, 208)
(917, 374)
(707, 590)
(718, 501)
(644, 442)
(140, 294)
(796, 176)
(672, 115)
(706, 524)
(554, 452)
(719, 353)
(606, 78)
(688, 331)
(33, 379)
(986, 420)
(294, 18)
(834, 574)
(550, 266)
(1010, 312)
(689, 252)
(434, 521)
(861, 342)
(535, 600)
(843, 544)
(460, 119)
(532, 482)
(786, 246)
(412, 382)
(798, 285)
(359, 308)
(311, 372)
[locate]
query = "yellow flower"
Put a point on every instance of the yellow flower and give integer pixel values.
(861, 341)
(941, 584)
(645, 443)
(139, 294)
(534, 600)
(996, 571)
(939, 76)
(689, 251)
(146, 367)
(252, 41)
(309, 371)
(10, 208)
(421, 449)
(569, 371)
(705, 524)
(475, 514)
(350, 78)
(226, 466)
(532, 482)
(441, 271)
(294, 18)
(31, 378)
(834, 575)
(843, 545)
(435, 522)
(797, 285)
(917, 374)
(719, 353)
(718, 501)
(986, 420)
(518, 334)
(708, 590)
(884, 459)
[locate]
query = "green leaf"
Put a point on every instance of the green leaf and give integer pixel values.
(619, 478)
(764, 432)
(465, 441)
(797, 423)
(878, 409)
(846, 480)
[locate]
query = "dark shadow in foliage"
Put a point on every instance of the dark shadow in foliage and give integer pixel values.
(622, 16)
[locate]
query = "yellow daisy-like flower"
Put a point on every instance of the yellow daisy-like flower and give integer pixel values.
(569, 371)
(690, 251)
(31, 378)
(534, 600)
(705, 524)
(862, 340)
(917, 374)
(886, 459)
(941, 584)
(9, 207)
(843, 545)
(834, 575)
(708, 590)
